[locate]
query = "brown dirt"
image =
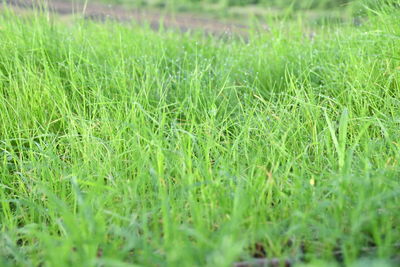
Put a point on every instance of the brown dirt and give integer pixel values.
(97, 11)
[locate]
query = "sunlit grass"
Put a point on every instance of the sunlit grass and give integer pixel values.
(120, 145)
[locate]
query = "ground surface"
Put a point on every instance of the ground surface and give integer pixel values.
(99, 11)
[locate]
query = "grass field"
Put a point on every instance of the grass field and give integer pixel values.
(121, 146)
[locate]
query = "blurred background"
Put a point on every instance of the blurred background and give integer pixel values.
(258, 8)
(243, 12)
(221, 4)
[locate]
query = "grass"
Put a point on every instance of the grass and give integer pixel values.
(120, 146)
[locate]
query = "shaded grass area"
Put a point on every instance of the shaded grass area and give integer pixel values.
(120, 145)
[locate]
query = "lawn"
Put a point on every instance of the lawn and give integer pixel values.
(125, 146)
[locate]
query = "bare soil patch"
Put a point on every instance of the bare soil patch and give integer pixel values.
(97, 11)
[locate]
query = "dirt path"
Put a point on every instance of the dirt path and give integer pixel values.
(182, 22)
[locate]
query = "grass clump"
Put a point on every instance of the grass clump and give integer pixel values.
(123, 146)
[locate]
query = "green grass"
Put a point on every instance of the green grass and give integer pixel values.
(121, 146)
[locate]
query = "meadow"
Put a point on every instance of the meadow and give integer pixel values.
(125, 146)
